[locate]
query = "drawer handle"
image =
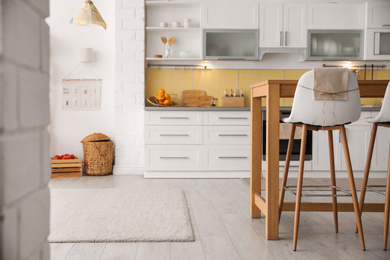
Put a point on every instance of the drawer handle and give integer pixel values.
(232, 157)
(174, 117)
(174, 158)
(232, 135)
(385, 24)
(174, 135)
(232, 118)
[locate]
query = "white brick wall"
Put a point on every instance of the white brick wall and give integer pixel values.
(24, 141)
(129, 89)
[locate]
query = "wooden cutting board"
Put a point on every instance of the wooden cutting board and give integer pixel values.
(205, 101)
(190, 97)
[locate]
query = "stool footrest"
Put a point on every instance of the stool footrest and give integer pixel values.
(373, 188)
(345, 193)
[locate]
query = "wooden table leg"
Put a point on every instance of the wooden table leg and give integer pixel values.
(387, 207)
(272, 163)
(255, 181)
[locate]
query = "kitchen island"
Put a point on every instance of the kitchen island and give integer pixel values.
(169, 108)
(273, 90)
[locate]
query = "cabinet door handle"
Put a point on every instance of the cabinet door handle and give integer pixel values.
(221, 117)
(232, 135)
(281, 38)
(174, 117)
(179, 157)
(229, 58)
(285, 38)
(174, 135)
(339, 136)
(232, 157)
(385, 24)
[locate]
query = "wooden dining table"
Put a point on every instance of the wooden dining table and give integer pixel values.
(273, 90)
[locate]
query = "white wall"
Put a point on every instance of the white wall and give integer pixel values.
(68, 128)
(130, 85)
(24, 142)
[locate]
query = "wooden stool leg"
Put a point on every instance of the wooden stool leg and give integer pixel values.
(286, 168)
(387, 207)
(333, 180)
(352, 186)
(367, 169)
(299, 186)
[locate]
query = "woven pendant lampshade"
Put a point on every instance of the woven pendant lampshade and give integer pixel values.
(88, 14)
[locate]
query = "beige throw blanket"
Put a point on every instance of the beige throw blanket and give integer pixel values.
(330, 84)
(285, 129)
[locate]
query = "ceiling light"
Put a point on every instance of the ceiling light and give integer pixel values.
(88, 14)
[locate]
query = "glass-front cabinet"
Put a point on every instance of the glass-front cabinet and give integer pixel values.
(230, 44)
(335, 45)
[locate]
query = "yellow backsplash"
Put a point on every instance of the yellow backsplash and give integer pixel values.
(215, 81)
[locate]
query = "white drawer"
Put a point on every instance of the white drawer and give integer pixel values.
(173, 118)
(226, 134)
(234, 158)
(173, 158)
(173, 135)
(227, 118)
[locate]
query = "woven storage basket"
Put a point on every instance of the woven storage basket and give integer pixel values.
(98, 151)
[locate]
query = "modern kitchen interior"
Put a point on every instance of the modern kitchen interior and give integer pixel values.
(192, 129)
(220, 50)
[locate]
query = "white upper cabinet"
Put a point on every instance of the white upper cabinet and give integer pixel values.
(283, 25)
(378, 14)
(230, 15)
(271, 25)
(295, 25)
(336, 16)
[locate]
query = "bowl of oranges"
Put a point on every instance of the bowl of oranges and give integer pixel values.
(162, 99)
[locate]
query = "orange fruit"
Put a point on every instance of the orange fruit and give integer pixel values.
(161, 102)
(167, 96)
(167, 102)
(161, 91)
(160, 97)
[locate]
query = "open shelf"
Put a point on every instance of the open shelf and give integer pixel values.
(170, 4)
(155, 29)
(173, 59)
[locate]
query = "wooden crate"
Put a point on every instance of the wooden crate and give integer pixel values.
(67, 168)
(233, 101)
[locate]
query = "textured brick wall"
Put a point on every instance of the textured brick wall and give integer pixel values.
(24, 142)
(129, 90)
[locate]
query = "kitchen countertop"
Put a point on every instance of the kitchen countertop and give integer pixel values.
(155, 108)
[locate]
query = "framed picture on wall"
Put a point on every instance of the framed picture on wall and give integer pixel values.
(81, 94)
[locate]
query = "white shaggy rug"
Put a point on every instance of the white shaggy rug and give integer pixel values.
(119, 215)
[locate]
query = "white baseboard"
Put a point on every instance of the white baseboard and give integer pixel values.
(199, 174)
(127, 171)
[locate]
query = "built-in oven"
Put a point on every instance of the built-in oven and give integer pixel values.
(284, 134)
(377, 44)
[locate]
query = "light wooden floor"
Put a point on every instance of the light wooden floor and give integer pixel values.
(220, 219)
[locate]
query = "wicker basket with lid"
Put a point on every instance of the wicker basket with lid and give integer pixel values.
(98, 154)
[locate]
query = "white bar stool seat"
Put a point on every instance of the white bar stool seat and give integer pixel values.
(383, 120)
(313, 114)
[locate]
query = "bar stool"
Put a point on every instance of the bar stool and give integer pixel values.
(383, 120)
(311, 114)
